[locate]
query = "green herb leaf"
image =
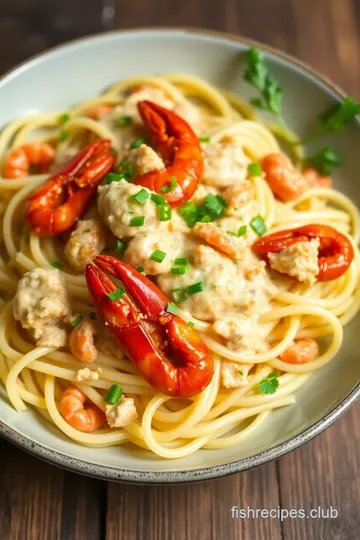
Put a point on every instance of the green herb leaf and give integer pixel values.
(257, 74)
(158, 256)
(137, 143)
(86, 231)
(325, 161)
(158, 199)
(215, 205)
(242, 230)
(137, 221)
(241, 372)
(204, 139)
(196, 288)
(114, 177)
(126, 169)
(116, 295)
(254, 169)
(114, 394)
(191, 324)
(269, 385)
(113, 152)
(140, 197)
(63, 135)
(179, 295)
(258, 225)
(140, 269)
(63, 118)
(120, 246)
(171, 308)
(124, 121)
(57, 264)
(339, 115)
(169, 187)
(76, 321)
(165, 212)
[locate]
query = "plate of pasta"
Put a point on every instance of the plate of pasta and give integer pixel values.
(179, 260)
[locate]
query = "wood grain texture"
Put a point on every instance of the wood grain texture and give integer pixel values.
(41, 502)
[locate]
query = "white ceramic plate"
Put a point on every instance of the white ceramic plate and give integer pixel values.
(82, 69)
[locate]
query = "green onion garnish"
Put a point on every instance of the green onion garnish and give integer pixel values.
(93, 315)
(76, 321)
(191, 324)
(181, 261)
(179, 269)
(196, 287)
(63, 135)
(158, 256)
(56, 264)
(242, 230)
(258, 225)
(126, 169)
(86, 230)
(113, 152)
(116, 295)
(254, 169)
(167, 188)
(179, 295)
(204, 139)
(137, 221)
(140, 197)
(137, 143)
(120, 246)
(114, 177)
(171, 308)
(114, 394)
(140, 269)
(64, 118)
(123, 121)
(165, 212)
(158, 199)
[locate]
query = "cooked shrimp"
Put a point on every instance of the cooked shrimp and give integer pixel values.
(79, 412)
(285, 180)
(301, 351)
(315, 179)
(81, 342)
(219, 238)
(18, 162)
(99, 110)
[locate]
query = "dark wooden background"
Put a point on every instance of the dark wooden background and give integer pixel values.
(41, 502)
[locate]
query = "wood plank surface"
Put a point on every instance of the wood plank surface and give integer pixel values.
(41, 502)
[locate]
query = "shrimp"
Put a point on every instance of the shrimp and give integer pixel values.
(81, 342)
(20, 161)
(218, 238)
(316, 180)
(98, 111)
(285, 181)
(301, 351)
(79, 412)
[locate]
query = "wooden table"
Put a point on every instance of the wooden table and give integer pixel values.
(41, 502)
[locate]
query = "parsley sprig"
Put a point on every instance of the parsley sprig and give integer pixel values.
(325, 161)
(212, 207)
(269, 384)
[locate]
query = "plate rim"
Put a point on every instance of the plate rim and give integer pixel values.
(118, 474)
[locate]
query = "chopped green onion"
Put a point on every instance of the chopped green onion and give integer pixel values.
(86, 230)
(56, 264)
(114, 394)
(196, 287)
(140, 197)
(242, 230)
(76, 321)
(120, 246)
(165, 212)
(181, 261)
(126, 168)
(230, 233)
(137, 143)
(179, 295)
(171, 308)
(113, 152)
(255, 169)
(204, 139)
(63, 135)
(158, 199)
(258, 225)
(93, 315)
(116, 295)
(123, 121)
(140, 269)
(241, 372)
(191, 324)
(114, 177)
(167, 188)
(158, 256)
(179, 269)
(64, 118)
(137, 221)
